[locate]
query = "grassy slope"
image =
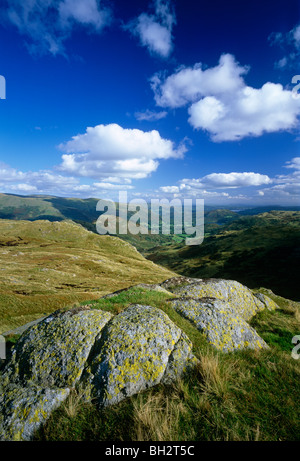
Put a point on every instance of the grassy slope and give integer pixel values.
(249, 395)
(261, 250)
(44, 266)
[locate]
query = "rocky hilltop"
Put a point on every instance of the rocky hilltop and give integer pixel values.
(111, 356)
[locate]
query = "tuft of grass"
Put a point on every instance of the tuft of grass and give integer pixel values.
(156, 417)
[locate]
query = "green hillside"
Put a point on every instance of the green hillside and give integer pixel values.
(83, 211)
(256, 246)
(47, 207)
(45, 266)
(262, 250)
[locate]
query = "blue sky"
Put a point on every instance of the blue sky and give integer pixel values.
(178, 98)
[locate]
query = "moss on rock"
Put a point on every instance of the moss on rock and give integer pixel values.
(222, 326)
(25, 409)
(109, 357)
(240, 298)
(53, 352)
(136, 349)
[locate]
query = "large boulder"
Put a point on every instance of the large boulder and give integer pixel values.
(241, 298)
(23, 409)
(139, 348)
(219, 322)
(45, 364)
(109, 357)
(53, 353)
(220, 309)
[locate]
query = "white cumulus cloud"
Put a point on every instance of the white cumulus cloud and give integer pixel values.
(294, 163)
(111, 150)
(189, 84)
(49, 182)
(222, 104)
(226, 180)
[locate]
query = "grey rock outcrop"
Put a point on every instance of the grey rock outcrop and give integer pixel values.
(139, 348)
(241, 298)
(221, 309)
(110, 357)
(219, 322)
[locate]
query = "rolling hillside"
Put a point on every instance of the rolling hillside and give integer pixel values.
(47, 265)
(258, 246)
(261, 250)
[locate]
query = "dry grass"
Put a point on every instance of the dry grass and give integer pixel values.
(73, 404)
(157, 417)
(215, 376)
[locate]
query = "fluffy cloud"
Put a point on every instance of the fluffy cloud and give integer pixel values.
(288, 192)
(224, 181)
(48, 23)
(231, 180)
(85, 12)
(282, 189)
(170, 189)
(286, 186)
(155, 31)
(110, 150)
(211, 187)
(189, 84)
(223, 105)
(249, 112)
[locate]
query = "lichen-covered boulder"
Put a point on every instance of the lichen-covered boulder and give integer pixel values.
(241, 298)
(220, 323)
(107, 357)
(267, 301)
(46, 362)
(53, 353)
(138, 349)
(25, 409)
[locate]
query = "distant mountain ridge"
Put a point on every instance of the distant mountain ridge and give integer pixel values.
(33, 207)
